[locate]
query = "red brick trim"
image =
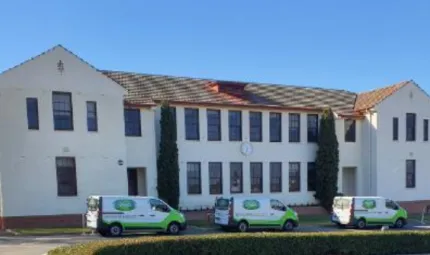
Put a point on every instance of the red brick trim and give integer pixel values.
(69, 220)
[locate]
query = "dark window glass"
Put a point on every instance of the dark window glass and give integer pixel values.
(215, 177)
(62, 110)
(192, 124)
(214, 125)
(236, 177)
(235, 125)
(294, 124)
(410, 126)
(92, 124)
(275, 177)
(294, 176)
(255, 127)
(410, 173)
(66, 176)
(349, 130)
(312, 175)
(426, 130)
(275, 127)
(395, 129)
(194, 178)
(32, 113)
(132, 122)
(312, 128)
(277, 205)
(256, 177)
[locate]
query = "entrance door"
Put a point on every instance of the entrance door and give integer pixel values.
(349, 184)
(132, 181)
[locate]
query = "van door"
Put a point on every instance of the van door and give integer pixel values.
(157, 213)
(343, 210)
(277, 212)
(390, 211)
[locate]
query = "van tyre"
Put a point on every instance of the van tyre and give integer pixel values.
(115, 230)
(288, 226)
(243, 226)
(400, 223)
(173, 228)
(361, 224)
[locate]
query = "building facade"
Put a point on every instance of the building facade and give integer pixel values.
(69, 130)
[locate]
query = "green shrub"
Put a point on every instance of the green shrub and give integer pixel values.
(392, 242)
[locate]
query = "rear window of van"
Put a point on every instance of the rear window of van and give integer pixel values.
(222, 204)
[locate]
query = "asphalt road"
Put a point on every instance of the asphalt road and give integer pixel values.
(33, 245)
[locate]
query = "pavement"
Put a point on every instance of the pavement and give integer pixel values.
(38, 245)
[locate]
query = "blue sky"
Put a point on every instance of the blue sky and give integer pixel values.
(354, 45)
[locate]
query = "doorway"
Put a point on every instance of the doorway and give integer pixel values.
(349, 182)
(136, 181)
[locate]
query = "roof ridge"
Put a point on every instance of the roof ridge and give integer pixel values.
(387, 86)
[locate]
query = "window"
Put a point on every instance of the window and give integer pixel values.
(294, 122)
(214, 125)
(255, 127)
(192, 124)
(312, 175)
(410, 126)
(275, 127)
(312, 128)
(410, 173)
(62, 109)
(66, 176)
(390, 204)
(173, 115)
(32, 113)
(194, 178)
(277, 205)
(395, 129)
(426, 130)
(256, 177)
(215, 177)
(158, 205)
(275, 177)
(235, 125)
(132, 122)
(236, 177)
(92, 116)
(349, 130)
(294, 176)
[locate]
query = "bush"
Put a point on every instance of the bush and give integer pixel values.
(392, 242)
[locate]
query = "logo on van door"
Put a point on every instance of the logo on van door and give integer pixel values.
(251, 204)
(124, 205)
(369, 204)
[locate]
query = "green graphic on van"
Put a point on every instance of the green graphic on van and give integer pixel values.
(124, 205)
(251, 204)
(369, 204)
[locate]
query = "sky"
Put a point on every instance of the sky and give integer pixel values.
(354, 45)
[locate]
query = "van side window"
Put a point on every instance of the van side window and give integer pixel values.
(390, 205)
(277, 205)
(157, 205)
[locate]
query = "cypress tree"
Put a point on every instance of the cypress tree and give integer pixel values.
(167, 162)
(327, 161)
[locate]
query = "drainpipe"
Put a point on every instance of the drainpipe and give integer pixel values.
(370, 151)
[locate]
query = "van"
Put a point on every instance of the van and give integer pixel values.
(114, 215)
(361, 212)
(243, 213)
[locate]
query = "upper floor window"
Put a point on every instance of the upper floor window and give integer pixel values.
(66, 176)
(410, 173)
(132, 122)
(192, 124)
(214, 125)
(62, 110)
(275, 127)
(349, 130)
(235, 125)
(92, 124)
(255, 127)
(32, 113)
(312, 128)
(410, 126)
(256, 177)
(194, 180)
(294, 125)
(426, 130)
(395, 129)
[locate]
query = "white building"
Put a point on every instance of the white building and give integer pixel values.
(69, 130)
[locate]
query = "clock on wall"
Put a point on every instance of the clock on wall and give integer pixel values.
(246, 148)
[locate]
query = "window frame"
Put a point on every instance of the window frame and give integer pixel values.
(275, 180)
(255, 126)
(58, 112)
(395, 128)
(212, 176)
(192, 125)
(195, 177)
(294, 126)
(32, 105)
(137, 126)
(214, 123)
(291, 175)
(240, 178)
(411, 119)
(275, 129)
(72, 183)
(234, 115)
(256, 177)
(95, 116)
(350, 130)
(411, 185)
(312, 131)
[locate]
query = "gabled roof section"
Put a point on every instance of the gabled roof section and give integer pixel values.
(370, 99)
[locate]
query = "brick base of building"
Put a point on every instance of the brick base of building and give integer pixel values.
(75, 220)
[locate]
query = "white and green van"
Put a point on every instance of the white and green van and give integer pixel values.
(113, 215)
(243, 213)
(367, 211)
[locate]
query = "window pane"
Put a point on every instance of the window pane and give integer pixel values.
(275, 127)
(236, 178)
(215, 177)
(132, 122)
(275, 177)
(312, 127)
(395, 129)
(91, 116)
(255, 126)
(410, 173)
(192, 124)
(294, 127)
(256, 177)
(66, 176)
(32, 113)
(214, 125)
(235, 125)
(194, 178)
(349, 130)
(294, 176)
(410, 126)
(62, 110)
(426, 130)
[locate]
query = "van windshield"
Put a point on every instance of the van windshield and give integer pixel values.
(341, 203)
(93, 204)
(222, 204)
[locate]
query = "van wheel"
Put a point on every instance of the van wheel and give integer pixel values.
(361, 224)
(173, 228)
(103, 233)
(399, 223)
(243, 226)
(288, 226)
(115, 230)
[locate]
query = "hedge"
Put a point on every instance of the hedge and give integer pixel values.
(389, 242)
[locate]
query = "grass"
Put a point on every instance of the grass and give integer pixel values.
(51, 231)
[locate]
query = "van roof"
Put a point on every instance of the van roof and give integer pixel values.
(122, 196)
(361, 197)
(246, 197)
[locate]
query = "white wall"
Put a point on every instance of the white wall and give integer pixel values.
(391, 166)
(27, 157)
